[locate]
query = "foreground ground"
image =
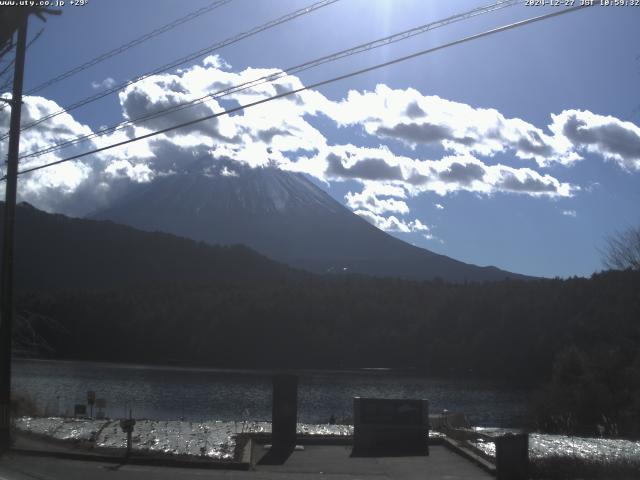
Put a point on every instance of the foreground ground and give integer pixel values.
(314, 462)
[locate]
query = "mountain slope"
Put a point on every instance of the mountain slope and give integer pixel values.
(55, 251)
(283, 216)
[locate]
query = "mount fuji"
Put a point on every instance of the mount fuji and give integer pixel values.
(284, 216)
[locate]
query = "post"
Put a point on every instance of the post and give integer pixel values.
(6, 282)
(129, 433)
(512, 457)
(127, 425)
(284, 416)
(91, 399)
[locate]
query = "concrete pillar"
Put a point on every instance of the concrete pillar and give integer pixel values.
(284, 416)
(512, 457)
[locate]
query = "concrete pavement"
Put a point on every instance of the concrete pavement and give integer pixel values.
(314, 462)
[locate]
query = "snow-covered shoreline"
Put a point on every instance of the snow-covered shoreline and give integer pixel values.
(216, 440)
(547, 446)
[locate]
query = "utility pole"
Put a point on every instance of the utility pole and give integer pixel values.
(6, 282)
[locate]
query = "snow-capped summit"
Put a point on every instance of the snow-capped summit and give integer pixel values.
(284, 216)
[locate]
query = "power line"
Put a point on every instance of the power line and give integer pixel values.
(3, 87)
(31, 42)
(312, 86)
(5, 70)
(7, 67)
(7, 48)
(229, 41)
(116, 51)
(286, 72)
(12, 61)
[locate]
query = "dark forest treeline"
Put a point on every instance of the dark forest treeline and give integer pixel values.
(100, 291)
(507, 329)
(579, 336)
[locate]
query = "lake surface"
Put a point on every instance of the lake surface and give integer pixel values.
(166, 393)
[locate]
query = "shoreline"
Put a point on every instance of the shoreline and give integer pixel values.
(226, 444)
(267, 371)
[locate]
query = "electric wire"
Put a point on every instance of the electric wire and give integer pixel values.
(133, 43)
(115, 51)
(276, 76)
(312, 86)
(4, 86)
(200, 53)
(13, 60)
(7, 48)
(7, 67)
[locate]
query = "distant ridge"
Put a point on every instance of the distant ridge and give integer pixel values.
(54, 251)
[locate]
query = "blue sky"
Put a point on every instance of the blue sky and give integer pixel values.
(498, 90)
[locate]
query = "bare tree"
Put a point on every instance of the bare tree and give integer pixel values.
(622, 250)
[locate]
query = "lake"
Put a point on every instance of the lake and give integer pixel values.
(198, 394)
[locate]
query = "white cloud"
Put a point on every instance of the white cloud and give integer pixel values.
(139, 173)
(280, 133)
(104, 84)
(369, 200)
(431, 236)
(216, 61)
(439, 206)
(418, 226)
(75, 187)
(388, 224)
(392, 223)
(65, 177)
(569, 213)
(413, 118)
(607, 136)
(225, 172)
(447, 175)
